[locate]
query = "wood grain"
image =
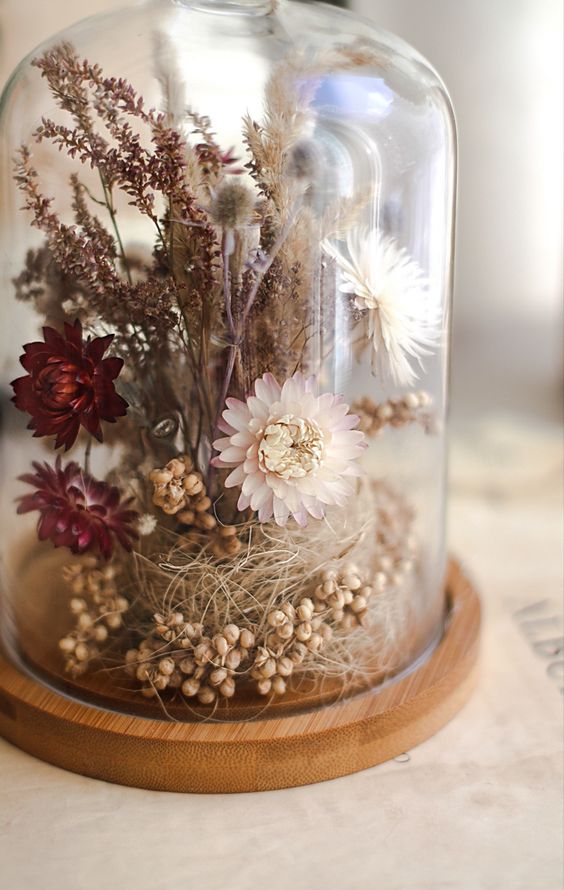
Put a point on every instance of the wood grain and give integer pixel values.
(261, 754)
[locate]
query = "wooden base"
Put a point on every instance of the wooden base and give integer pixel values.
(263, 754)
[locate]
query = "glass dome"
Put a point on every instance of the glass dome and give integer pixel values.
(226, 266)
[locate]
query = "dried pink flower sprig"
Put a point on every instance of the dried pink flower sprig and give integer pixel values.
(293, 452)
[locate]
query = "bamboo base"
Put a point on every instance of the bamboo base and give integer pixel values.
(258, 755)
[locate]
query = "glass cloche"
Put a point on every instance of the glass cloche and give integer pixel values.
(226, 236)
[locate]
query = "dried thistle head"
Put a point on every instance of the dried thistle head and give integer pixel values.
(303, 161)
(233, 205)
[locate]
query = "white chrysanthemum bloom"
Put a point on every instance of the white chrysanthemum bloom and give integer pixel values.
(391, 287)
(294, 452)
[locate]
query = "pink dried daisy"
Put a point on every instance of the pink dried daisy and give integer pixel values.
(294, 452)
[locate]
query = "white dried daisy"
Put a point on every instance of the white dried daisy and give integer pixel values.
(293, 451)
(391, 287)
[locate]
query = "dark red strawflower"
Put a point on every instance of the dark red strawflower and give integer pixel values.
(212, 157)
(68, 384)
(76, 510)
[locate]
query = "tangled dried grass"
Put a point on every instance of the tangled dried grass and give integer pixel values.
(272, 591)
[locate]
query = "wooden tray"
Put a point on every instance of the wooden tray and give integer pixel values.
(278, 751)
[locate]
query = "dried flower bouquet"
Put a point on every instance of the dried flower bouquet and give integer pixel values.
(236, 542)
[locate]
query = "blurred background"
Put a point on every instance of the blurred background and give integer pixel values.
(502, 63)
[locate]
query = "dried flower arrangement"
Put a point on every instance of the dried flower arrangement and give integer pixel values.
(236, 542)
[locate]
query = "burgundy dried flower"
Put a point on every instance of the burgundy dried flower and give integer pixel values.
(212, 157)
(68, 384)
(76, 510)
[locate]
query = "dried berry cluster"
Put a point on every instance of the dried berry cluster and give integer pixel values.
(178, 654)
(413, 407)
(179, 491)
(344, 594)
(295, 635)
(98, 609)
(395, 549)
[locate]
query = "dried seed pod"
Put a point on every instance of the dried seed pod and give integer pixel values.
(315, 642)
(285, 666)
(217, 676)
(186, 517)
(160, 477)
(206, 695)
(227, 688)
(336, 600)
(264, 686)
(228, 547)
(303, 631)
(114, 620)
(278, 685)
(178, 467)
(304, 612)
(190, 687)
(298, 653)
(276, 618)
(203, 653)
(84, 621)
(203, 504)
(220, 645)
(233, 659)
(142, 672)
(187, 665)
(348, 621)
(268, 669)
(272, 640)
(247, 639)
(380, 582)
(231, 633)
(206, 521)
(288, 610)
(328, 575)
(286, 631)
(100, 633)
(160, 682)
(81, 652)
(175, 680)
(77, 605)
(166, 666)
(359, 604)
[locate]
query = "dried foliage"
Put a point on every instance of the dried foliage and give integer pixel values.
(231, 289)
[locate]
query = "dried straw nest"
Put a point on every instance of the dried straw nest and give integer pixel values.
(293, 603)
